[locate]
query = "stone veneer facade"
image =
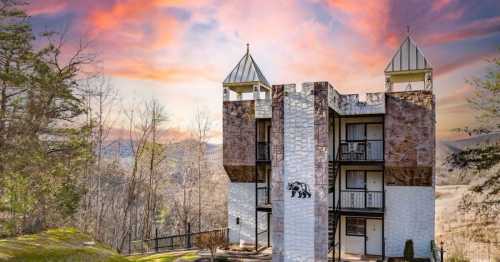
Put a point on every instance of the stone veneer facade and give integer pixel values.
(410, 138)
(239, 140)
(277, 178)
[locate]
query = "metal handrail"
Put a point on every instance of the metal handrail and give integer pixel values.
(365, 149)
(362, 199)
(263, 199)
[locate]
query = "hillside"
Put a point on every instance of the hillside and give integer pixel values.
(444, 174)
(65, 244)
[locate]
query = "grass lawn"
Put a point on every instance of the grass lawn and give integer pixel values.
(166, 257)
(63, 244)
(67, 244)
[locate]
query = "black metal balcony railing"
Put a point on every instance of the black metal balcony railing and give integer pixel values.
(361, 150)
(361, 199)
(263, 198)
(263, 151)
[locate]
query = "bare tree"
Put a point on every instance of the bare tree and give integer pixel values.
(138, 134)
(156, 156)
(202, 125)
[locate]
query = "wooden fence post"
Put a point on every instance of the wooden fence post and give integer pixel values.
(188, 242)
(156, 240)
(129, 242)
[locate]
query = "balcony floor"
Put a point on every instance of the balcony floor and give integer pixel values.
(373, 212)
(265, 207)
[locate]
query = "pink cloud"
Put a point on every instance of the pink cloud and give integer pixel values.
(370, 19)
(48, 7)
(475, 29)
(458, 97)
(460, 61)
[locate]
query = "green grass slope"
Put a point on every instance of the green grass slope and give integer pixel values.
(63, 244)
(166, 257)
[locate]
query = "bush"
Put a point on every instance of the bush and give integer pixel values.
(409, 255)
(211, 241)
(434, 250)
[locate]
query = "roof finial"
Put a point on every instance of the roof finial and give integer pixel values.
(408, 29)
(248, 48)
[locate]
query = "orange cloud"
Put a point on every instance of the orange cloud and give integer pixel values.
(459, 96)
(140, 69)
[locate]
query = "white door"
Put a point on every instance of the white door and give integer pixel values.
(374, 237)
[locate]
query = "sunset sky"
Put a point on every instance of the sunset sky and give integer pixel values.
(180, 51)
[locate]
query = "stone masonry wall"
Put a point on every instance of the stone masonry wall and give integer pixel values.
(239, 140)
(410, 138)
(277, 161)
(299, 166)
(321, 121)
(263, 108)
(300, 154)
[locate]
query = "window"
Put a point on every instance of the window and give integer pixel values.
(355, 226)
(355, 179)
(356, 132)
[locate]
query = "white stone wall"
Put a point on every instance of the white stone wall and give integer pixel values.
(350, 105)
(241, 203)
(299, 166)
(263, 108)
(409, 215)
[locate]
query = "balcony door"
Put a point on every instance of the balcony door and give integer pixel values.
(374, 188)
(364, 141)
(355, 148)
(375, 142)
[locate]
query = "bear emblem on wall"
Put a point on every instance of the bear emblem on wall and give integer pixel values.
(302, 189)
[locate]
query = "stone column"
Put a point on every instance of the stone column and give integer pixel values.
(277, 151)
(225, 94)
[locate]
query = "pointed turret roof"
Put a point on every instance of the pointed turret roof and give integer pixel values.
(246, 71)
(408, 57)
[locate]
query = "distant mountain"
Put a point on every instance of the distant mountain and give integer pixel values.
(124, 148)
(484, 139)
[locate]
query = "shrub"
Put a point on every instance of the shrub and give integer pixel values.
(409, 255)
(434, 251)
(211, 241)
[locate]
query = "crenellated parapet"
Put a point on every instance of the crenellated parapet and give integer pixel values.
(351, 105)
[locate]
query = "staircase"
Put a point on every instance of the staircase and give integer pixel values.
(332, 175)
(333, 217)
(333, 221)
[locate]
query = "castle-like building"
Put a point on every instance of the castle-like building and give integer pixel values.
(320, 175)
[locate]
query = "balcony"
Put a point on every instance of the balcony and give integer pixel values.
(263, 151)
(361, 150)
(357, 199)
